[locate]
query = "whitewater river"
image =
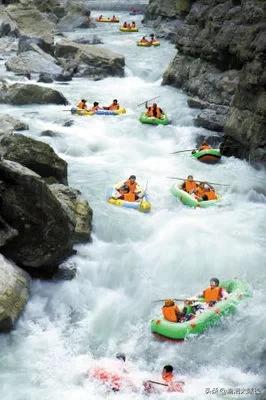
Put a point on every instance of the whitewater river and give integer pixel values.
(136, 258)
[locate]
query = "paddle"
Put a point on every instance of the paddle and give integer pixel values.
(181, 151)
(144, 102)
(187, 299)
(164, 384)
(211, 183)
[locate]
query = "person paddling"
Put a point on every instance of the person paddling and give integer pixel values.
(214, 293)
(113, 107)
(132, 185)
(205, 192)
(204, 146)
(168, 381)
(82, 104)
(154, 111)
(189, 185)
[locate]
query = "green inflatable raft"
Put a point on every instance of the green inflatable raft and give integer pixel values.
(144, 119)
(208, 156)
(188, 200)
(237, 290)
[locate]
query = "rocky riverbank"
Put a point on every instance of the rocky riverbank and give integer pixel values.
(41, 217)
(220, 63)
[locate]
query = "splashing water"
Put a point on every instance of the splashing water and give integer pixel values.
(136, 258)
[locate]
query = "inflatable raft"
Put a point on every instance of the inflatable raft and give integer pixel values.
(189, 200)
(237, 289)
(144, 44)
(144, 119)
(128, 29)
(80, 111)
(142, 205)
(156, 43)
(208, 156)
(106, 19)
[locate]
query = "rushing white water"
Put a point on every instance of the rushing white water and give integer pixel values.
(136, 258)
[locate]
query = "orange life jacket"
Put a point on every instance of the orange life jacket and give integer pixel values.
(211, 195)
(170, 313)
(214, 294)
(168, 376)
(114, 107)
(190, 185)
(200, 191)
(157, 113)
(129, 196)
(205, 147)
(132, 186)
(81, 105)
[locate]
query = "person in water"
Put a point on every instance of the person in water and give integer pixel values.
(171, 311)
(213, 293)
(82, 104)
(113, 107)
(132, 185)
(154, 111)
(189, 185)
(169, 381)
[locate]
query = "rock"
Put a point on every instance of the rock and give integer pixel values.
(7, 46)
(88, 60)
(35, 155)
(210, 119)
(77, 209)
(14, 293)
(50, 133)
(10, 124)
(65, 76)
(68, 123)
(6, 231)
(27, 43)
(45, 78)
(7, 26)
(71, 22)
(33, 62)
(31, 22)
(44, 228)
(195, 102)
(66, 271)
(20, 94)
(94, 40)
(167, 8)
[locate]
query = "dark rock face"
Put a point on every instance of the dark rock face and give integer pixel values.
(45, 231)
(221, 60)
(35, 155)
(20, 94)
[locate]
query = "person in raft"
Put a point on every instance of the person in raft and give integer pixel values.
(154, 111)
(125, 25)
(113, 107)
(113, 18)
(153, 38)
(189, 185)
(168, 379)
(95, 107)
(100, 17)
(205, 192)
(133, 187)
(82, 104)
(144, 40)
(204, 146)
(211, 294)
(171, 311)
(132, 25)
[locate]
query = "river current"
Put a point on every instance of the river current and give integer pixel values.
(136, 258)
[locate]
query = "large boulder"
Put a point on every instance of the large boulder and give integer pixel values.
(9, 124)
(14, 293)
(7, 26)
(44, 228)
(78, 210)
(27, 43)
(88, 60)
(20, 94)
(35, 155)
(33, 62)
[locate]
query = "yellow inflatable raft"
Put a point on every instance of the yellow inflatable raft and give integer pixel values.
(107, 19)
(128, 29)
(142, 205)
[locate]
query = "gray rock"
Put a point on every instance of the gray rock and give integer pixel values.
(10, 124)
(71, 22)
(88, 60)
(77, 209)
(50, 133)
(66, 271)
(44, 228)
(33, 62)
(94, 40)
(7, 26)
(27, 43)
(45, 78)
(195, 102)
(20, 94)
(35, 155)
(69, 123)
(14, 293)
(6, 231)
(212, 120)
